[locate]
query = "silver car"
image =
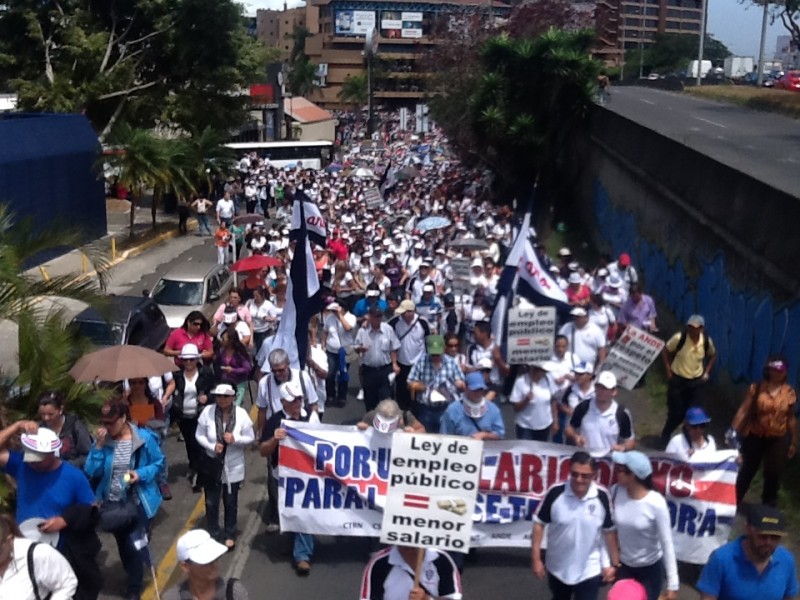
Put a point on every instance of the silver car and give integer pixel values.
(191, 286)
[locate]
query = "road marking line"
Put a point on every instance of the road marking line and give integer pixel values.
(169, 563)
(711, 122)
(646, 101)
(244, 545)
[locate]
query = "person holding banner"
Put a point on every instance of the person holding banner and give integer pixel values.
(694, 438)
(474, 416)
(643, 527)
(388, 418)
(579, 523)
(391, 575)
(534, 404)
(292, 403)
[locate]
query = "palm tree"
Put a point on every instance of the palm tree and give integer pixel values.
(302, 77)
(207, 158)
(20, 244)
(143, 163)
(355, 90)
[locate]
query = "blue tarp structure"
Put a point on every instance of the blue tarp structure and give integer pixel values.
(48, 173)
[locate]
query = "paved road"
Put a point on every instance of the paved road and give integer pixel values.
(760, 144)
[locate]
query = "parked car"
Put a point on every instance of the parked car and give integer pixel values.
(130, 320)
(752, 79)
(191, 286)
(790, 81)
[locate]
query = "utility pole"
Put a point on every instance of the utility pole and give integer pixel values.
(621, 30)
(701, 49)
(764, 18)
(370, 47)
(641, 41)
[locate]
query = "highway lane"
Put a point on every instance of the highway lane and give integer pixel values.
(762, 145)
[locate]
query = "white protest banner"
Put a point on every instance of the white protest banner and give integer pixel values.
(372, 198)
(334, 480)
(433, 480)
(459, 267)
(531, 334)
(632, 355)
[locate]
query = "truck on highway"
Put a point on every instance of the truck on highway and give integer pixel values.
(736, 67)
(705, 67)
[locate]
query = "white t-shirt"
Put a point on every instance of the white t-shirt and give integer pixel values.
(260, 315)
(190, 396)
(679, 446)
(603, 318)
(538, 414)
(337, 336)
(587, 341)
(225, 208)
(645, 532)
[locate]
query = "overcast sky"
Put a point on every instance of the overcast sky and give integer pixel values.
(738, 26)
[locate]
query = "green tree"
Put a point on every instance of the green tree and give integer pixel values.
(143, 163)
(21, 243)
(672, 52)
(529, 96)
(302, 77)
(355, 90)
(140, 61)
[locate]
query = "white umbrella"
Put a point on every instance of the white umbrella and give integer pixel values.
(364, 173)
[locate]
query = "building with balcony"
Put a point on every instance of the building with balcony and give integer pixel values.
(275, 28)
(404, 35)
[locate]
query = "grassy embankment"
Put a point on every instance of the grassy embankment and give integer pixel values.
(763, 99)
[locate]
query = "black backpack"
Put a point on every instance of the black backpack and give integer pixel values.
(682, 343)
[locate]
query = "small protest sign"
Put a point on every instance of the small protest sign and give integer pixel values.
(433, 484)
(372, 198)
(459, 267)
(531, 334)
(632, 355)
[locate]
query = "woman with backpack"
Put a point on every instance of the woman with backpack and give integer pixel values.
(766, 424)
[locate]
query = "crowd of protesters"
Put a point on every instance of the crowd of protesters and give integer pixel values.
(409, 286)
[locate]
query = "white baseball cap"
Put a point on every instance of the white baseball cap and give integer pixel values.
(198, 547)
(291, 390)
(607, 379)
(224, 389)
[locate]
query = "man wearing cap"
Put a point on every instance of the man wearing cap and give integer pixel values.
(582, 547)
(754, 566)
(601, 425)
(199, 554)
(56, 494)
(586, 340)
(372, 297)
(388, 418)
(419, 281)
(428, 306)
(689, 356)
(623, 269)
(474, 416)
(434, 382)
(411, 332)
(378, 346)
(292, 409)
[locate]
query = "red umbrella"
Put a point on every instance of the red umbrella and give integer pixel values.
(255, 263)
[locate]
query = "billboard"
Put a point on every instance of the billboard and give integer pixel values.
(354, 22)
(396, 24)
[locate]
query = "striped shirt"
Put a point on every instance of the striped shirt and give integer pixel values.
(121, 465)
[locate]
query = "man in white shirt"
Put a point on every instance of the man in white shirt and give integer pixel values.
(586, 340)
(225, 209)
(577, 514)
(268, 399)
(339, 329)
(601, 425)
(390, 575)
(411, 332)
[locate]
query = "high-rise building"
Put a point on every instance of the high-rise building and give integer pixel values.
(276, 28)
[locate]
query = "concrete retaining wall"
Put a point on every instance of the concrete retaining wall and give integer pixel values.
(705, 238)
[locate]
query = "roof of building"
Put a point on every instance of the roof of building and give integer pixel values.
(305, 111)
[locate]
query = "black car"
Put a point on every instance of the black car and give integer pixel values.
(133, 320)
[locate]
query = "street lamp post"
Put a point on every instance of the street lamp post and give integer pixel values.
(641, 41)
(701, 49)
(370, 47)
(764, 18)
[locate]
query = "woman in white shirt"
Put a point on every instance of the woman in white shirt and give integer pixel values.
(693, 438)
(561, 364)
(643, 526)
(602, 316)
(223, 432)
(264, 316)
(535, 408)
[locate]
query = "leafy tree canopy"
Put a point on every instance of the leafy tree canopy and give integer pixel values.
(180, 62)
(672, 52)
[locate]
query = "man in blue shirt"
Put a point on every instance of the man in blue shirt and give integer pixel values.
(754, 566)
(58, 494)
(371, 298)
(475, 416)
